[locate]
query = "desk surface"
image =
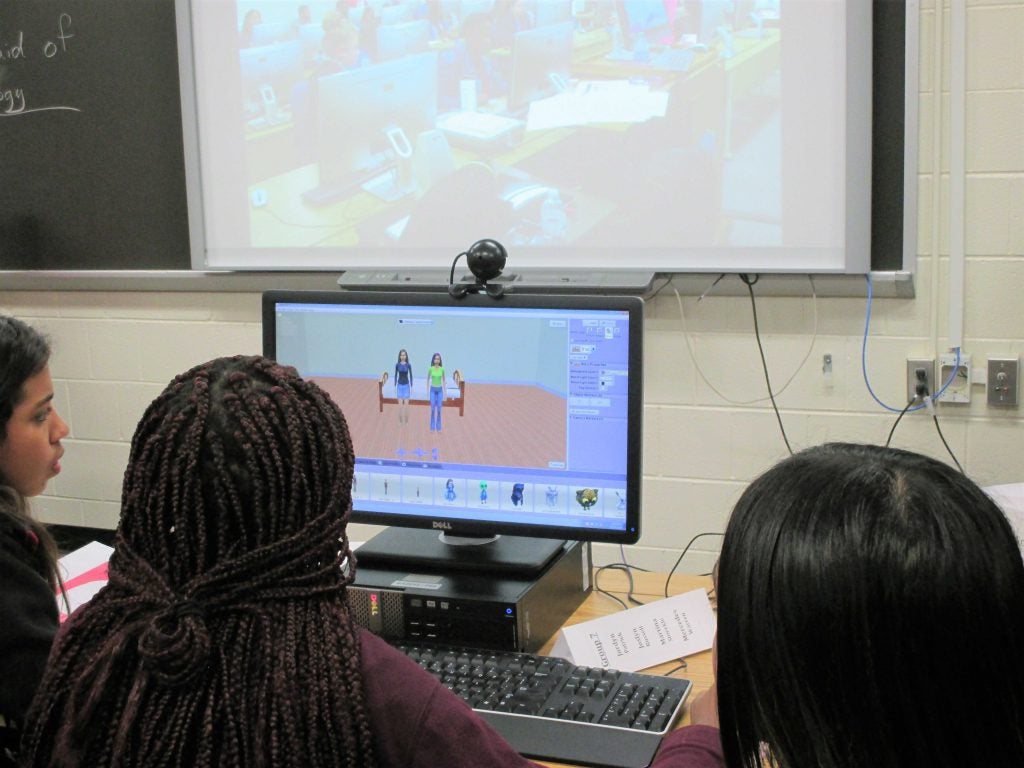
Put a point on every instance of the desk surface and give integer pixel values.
(646, 587)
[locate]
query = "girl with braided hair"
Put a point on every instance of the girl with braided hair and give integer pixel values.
(30, 453)
(224, 636)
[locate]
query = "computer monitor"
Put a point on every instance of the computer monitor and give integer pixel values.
(311, 38)
(537, 438)
(541, 58)
(368, 120)
(644, 18)
(546, 12)
(469, 8)
(397, 40)
(269, 32)
(398, 14)
(268, 72)
(714, 15)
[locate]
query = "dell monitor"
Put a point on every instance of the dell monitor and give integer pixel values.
(486, 431)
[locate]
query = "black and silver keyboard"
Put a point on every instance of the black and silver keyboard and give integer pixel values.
(550, 709)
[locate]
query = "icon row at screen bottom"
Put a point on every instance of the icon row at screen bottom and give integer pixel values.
(482, 493)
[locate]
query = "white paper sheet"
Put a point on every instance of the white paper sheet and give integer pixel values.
(84, 572)
(1010, 498)
(641, 637)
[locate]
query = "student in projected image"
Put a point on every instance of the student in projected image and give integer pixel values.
(403, 385)
(251, 19)
(369, 23)
(458, 208)
(341, 51)
(436, 382)
(509, 17)
(444, 21)
(473, 59)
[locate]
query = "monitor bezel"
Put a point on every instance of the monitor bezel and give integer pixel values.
(460, 527)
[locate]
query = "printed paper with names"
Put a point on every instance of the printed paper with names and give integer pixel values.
(641, 637)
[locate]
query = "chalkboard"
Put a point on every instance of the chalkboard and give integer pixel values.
(92, 171)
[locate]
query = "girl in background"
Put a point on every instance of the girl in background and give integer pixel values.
(30, 453)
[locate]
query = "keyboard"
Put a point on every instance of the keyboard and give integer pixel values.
(550, 709)
(674, 59)
(481, 126)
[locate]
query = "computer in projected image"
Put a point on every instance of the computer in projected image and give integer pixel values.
(486, 431)
(716, 17)
(541, 63)
(547, 12)
(267, 73)
(268, 33)
(367, 121)
(644, 18)
(397, 40)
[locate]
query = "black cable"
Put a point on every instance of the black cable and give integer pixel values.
(710, 287)
(679, 666)
(896, 423)
(683, 554)
(451, 274)
(660, 288)
(749, 282)
(629, 575)
(942, 437)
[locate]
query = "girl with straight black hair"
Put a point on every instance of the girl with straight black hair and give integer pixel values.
(871, 615)
(30, 453)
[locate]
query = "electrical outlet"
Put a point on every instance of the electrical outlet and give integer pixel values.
(1003, 381)
(915, 365)
(958, 390)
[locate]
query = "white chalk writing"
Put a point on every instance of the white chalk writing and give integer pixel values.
(13, 98)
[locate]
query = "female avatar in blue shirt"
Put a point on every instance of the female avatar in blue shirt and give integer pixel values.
(403, 385)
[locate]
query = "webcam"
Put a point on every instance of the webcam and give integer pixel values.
(485, 259)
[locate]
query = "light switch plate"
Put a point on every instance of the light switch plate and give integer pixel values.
(1003, 385)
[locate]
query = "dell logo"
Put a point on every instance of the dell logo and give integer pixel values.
(442, 525)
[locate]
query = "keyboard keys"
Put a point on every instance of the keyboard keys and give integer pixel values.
(504, 682)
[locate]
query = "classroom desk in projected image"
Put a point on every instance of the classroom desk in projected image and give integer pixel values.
(611, 177)
(646, 588)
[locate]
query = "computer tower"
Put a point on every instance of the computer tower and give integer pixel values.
(473, 608)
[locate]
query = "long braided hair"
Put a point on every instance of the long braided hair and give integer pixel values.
(223, 637)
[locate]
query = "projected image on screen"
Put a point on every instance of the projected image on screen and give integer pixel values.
(519, 412)
(648, 125)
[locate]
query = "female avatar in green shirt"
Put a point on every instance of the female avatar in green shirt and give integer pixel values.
(435, 377)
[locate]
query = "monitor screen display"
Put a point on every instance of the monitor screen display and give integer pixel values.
(479, 416)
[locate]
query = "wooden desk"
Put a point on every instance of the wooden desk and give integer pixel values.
(646, 587)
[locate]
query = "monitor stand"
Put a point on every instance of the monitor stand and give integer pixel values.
(516, 556)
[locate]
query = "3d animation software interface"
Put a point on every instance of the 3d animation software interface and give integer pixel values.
(536, 433)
